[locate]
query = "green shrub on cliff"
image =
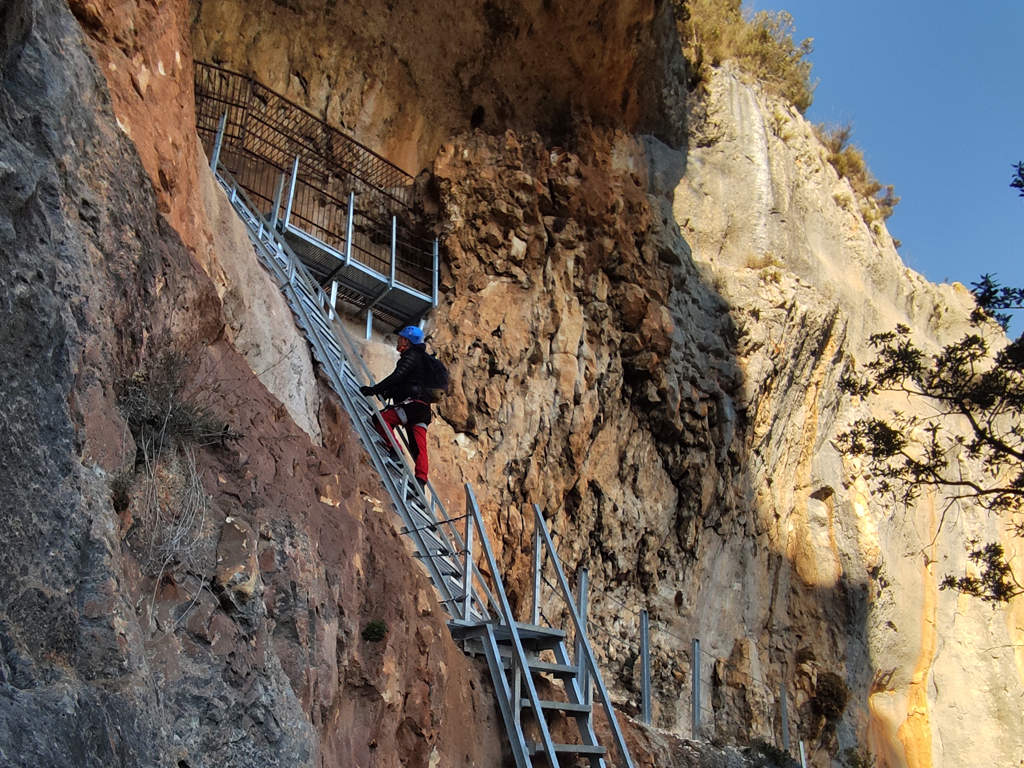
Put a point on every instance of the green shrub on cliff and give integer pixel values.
(713, 31)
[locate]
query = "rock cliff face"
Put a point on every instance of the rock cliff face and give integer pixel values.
(404, 75)
(180, 601)
(808, 281)
(645, 321)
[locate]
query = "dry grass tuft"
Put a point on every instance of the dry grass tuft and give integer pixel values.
(160, 495)
(713, 31)
(876, 202)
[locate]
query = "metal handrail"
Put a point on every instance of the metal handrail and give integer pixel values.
(509, 619)
(301, 288)
(297, 275)
(264, 135)
(432, 498)
(445, 526)
(581, 637)
(400, 177)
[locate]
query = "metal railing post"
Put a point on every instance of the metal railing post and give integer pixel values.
(535, 613)
(291, 192)
(645, 661)
(783, 715)
(519, 654)
(334, 298)
(369, 324)
(349, 227)
(583, 673)
(588, 650)
(695, 704)
(803, 755)
(435, 271)
(277, 202)
(217, 142)
(467, 571)
(394, 248)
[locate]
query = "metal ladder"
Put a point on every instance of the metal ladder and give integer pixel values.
(518, 654)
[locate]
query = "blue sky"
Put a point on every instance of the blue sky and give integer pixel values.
(935, 94)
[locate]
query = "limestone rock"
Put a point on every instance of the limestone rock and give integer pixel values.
(645, 338)
(405, 76)
(238, 569)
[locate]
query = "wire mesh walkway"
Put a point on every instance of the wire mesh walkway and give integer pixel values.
(344, 209)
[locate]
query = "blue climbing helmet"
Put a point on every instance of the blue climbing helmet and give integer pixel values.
(412, 333)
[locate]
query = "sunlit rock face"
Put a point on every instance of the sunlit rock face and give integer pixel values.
(808, 281)
(673, 403)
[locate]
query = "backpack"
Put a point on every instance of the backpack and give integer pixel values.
(436, 381)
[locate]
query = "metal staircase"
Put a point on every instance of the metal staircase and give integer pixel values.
(524, 658)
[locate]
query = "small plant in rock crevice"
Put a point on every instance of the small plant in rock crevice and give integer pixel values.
(857, 758)
(153, 402)
(766, 755)
(830, 697)
(375, 631)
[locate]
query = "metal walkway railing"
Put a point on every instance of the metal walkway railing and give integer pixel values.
(518, 654)
(343, 209)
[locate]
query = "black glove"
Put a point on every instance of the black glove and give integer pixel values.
(366, 390)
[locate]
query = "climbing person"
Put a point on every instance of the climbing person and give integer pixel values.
(415, 383)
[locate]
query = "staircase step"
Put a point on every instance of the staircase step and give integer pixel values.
(546, 667)
(532, 636)
(442, 562)
(557, 670)
(431, 538)
(560, 706)
(537, 748)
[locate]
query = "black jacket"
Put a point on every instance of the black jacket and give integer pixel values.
(407, 379)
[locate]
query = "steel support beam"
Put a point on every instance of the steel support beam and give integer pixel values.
(436, 262)
(278, 194)
(582, 600)
(537, 561)
(350, 227)
(217, 142)
(334, 299)
(467, 572)
(695, 702)
(291, 192)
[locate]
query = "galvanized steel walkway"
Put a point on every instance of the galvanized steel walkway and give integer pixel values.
(343, 209)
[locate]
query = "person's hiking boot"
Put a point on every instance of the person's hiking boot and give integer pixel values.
(383, 443)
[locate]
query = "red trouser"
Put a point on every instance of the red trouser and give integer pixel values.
(394, 415)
